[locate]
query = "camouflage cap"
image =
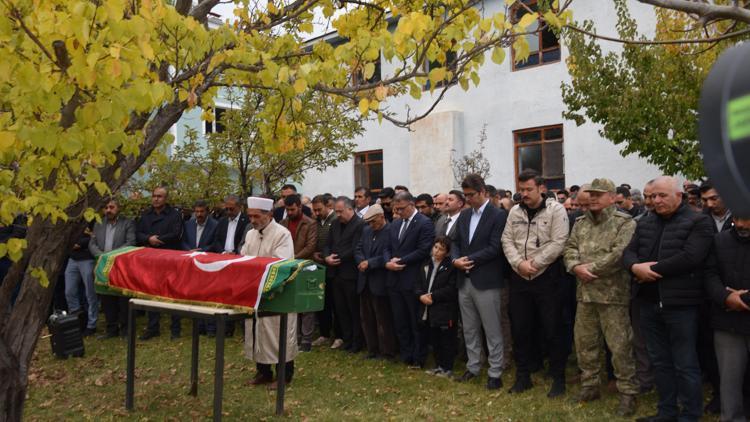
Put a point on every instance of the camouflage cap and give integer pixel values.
(601, 185)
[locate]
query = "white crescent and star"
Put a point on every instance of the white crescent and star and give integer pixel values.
(212, 267)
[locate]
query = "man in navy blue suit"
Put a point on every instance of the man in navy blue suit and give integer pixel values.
(200, 230)
(375, 310)
(478, 256)
(412, 235)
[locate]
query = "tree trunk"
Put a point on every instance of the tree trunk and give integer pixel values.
(20, 325)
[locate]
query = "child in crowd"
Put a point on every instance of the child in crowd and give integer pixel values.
(438, 311)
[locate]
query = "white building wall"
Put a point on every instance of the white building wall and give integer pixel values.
(506, 101)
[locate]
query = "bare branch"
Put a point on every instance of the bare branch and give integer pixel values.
(660, 42)
(703, 9)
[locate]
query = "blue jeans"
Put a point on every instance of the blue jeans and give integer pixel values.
(671, 335)
(75, 272)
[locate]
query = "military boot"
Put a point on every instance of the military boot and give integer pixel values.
(627, 406)
(588, 394)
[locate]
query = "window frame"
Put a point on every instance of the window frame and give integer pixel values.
(540, 51)
(542, 142)
(215, 121)
(367, 163)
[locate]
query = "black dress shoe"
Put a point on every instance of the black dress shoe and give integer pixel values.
(522, 384)
(557, 389)
(174, 336)
(494, 383)
(88, 332)
(147, 335)
(371, 356)
(656, 418)
(305, 347)
(466, 377)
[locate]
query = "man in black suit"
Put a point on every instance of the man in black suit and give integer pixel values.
(228, 237)
(477, 255)
(412, 235)
(371, 255)
(446, 224)
(231, 227)
(160, 227)
(339, 256)
(280, 212)
(199, 231)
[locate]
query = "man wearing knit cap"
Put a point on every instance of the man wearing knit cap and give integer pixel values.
(268, 239)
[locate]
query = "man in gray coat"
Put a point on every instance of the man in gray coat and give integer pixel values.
(113, 232)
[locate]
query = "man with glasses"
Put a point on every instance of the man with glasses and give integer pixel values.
(477, 255)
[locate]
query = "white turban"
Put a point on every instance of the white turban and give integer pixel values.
(263, 204)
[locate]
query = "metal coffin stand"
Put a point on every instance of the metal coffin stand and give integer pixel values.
(305, 294)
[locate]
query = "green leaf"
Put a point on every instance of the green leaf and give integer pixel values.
(498, 55)
(41, 275)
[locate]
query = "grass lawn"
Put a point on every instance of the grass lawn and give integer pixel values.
(327, 385)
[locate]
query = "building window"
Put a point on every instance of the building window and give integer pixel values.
(541, 149)
(450, 65)
(368, 169)
(544, 46)
(217, 125)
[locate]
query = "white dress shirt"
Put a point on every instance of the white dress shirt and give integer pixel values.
(475, 216)
(231, 229)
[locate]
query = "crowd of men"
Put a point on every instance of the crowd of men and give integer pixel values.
(657, 281)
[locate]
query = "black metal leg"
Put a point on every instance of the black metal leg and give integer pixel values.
(194, 360)
(130, 383)
(281, 371)
(221, 324)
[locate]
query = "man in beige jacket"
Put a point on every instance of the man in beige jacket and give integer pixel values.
(533, 241)
(268, 239)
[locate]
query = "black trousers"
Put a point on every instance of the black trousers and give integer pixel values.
(115, 312)
(443, 342)
(377, 324)
(265, 369)
(346, 312)
(327, 323)
(538, 300)
(405, 307)
(153, 323)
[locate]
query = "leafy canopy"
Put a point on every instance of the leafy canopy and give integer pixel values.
(90, 88)
(645, 96)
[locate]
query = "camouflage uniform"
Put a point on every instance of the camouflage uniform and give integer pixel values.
(603, 303)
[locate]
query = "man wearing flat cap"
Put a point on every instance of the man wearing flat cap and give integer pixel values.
(593, 254)
(268, 239)
(371, 255)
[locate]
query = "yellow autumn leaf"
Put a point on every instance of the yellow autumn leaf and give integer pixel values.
(364, 105)
(437, 75)
(369, 70)
(527, 20)
(6, 139)
(300, 85)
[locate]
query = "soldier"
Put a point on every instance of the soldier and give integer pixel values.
(593, 254)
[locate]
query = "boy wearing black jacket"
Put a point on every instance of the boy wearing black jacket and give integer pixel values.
(438, 309)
